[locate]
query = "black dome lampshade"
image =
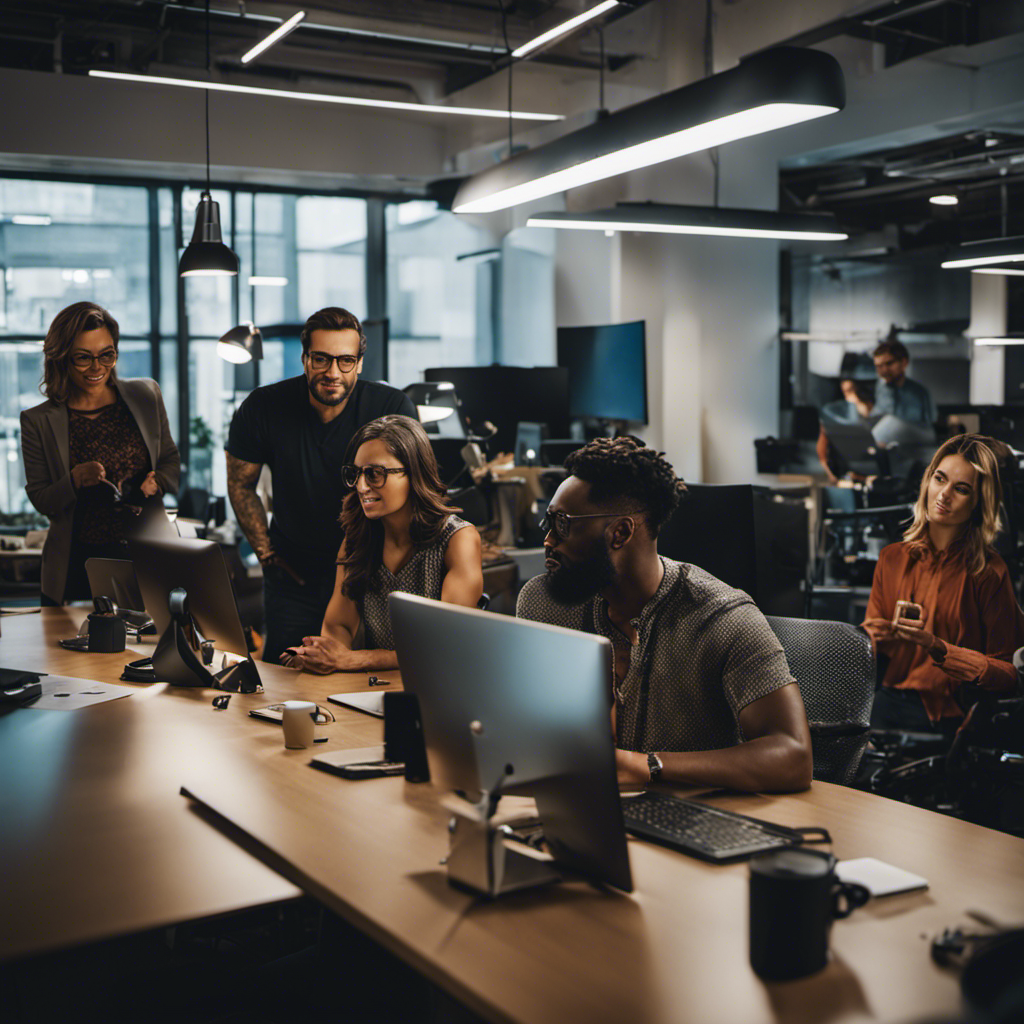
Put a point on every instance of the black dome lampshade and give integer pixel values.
(206, 254)
(241, 344)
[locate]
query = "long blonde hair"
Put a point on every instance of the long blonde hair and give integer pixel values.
(985, 522)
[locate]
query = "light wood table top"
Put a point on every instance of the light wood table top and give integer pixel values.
(675, 950)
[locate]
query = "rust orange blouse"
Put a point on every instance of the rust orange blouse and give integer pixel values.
(976, 616)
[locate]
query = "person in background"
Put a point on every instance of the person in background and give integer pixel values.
(400, 535)
(961, 624)
(300, 428)
(856, 406)
(701, 693)
(895, 393)
(98, 448)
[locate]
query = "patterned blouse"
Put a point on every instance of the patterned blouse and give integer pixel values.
(111, 437)
(423, 574)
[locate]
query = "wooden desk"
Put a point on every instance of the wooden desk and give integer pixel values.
(674, 950)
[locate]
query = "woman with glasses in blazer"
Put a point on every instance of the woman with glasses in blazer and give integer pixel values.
(96, 450)
(400, 535)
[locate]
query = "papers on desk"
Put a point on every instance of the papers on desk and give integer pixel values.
(63, 693)
(368, 703)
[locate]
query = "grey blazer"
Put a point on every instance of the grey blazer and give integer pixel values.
(45, 450)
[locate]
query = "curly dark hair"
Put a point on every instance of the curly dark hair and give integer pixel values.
(624, 467)
(363, 550)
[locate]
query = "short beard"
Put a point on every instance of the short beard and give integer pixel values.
(323, 399)
(576, 582)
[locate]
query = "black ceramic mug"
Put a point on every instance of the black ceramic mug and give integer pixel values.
(795, 896)
(106, 633)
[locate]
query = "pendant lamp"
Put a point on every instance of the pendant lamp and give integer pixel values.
(242, 344)
(207, 255)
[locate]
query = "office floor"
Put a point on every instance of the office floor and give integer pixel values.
(278, 965)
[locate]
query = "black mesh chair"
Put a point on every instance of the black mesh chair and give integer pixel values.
(834, 666)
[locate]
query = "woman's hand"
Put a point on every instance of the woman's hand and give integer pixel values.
(879, 629)
(321, 654)
(149, 486)
(88, 474)
(914, 631)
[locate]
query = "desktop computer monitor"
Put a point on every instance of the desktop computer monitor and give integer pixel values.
(198, 568)
(511, 706)
(607, 370)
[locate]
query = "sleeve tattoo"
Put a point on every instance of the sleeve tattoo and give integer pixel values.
(249, 510)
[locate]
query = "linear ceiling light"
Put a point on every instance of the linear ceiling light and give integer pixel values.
(262, 279)
(999, 341)
(565, 28)
(770, 90)
(669, 219)
(981, 254)
(1003, 271)
(319, 97)
(279, 33)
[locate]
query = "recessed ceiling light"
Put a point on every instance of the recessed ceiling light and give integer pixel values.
(943, 200)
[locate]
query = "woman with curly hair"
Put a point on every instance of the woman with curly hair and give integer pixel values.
(400, 535)
(942, 606)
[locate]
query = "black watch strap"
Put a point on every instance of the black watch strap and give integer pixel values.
(654, 766)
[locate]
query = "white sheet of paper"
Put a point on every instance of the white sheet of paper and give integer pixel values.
(64, 693)
(879, 878)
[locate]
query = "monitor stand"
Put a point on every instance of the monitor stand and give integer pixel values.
(178, 661)
(483, 856)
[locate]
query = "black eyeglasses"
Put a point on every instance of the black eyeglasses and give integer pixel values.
(83, 360)
(561, 522)
(376, 476)
(323, 360)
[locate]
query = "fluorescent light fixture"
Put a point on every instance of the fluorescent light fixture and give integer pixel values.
(278, 34)
(981, 254)
(943, 200)
(669, 219)
(241, 344)
(36, 219)
(1004, 271)
(999, 341)
(770, 90)
(319, 97)
(565, 28)
(276, 282)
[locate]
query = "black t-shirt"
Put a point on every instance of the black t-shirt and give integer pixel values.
(277, 426)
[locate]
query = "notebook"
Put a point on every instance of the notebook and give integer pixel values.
(368, 703)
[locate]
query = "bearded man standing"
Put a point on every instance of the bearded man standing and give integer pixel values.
(300, 429)
(701, 694)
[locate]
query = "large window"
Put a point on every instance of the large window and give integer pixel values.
(119, 245)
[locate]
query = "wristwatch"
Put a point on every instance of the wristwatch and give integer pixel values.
(654, 766)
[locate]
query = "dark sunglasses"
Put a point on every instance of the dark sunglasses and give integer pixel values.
(376, 476)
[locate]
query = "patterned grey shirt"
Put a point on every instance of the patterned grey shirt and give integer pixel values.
(423, 574)
(703, 653)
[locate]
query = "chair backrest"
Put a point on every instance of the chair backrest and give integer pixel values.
(834, 666)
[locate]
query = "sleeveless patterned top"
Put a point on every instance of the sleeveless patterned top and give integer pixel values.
(423, 574)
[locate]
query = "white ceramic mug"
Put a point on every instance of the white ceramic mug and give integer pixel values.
(298, 719)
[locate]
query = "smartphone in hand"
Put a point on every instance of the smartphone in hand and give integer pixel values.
(907, 610)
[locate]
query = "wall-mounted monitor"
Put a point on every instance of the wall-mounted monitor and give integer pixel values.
(607, 370)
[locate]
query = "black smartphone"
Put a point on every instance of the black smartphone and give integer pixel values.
(370, 769)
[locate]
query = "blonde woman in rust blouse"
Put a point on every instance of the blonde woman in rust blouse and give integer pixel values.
(962, 623)
(95, 438)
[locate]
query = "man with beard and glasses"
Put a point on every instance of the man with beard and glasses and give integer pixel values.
(701, 692)
(300, 429)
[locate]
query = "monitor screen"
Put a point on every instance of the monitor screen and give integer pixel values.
(607, 370)
(506, 395)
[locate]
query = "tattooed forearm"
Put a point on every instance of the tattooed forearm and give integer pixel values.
(249, 510)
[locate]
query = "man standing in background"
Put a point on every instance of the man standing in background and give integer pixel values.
(895, 393)
(300, 428)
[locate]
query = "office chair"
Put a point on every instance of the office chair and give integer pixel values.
(834, 666)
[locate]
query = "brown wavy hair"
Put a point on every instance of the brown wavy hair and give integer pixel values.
(406, 439)
(985, 523)
(67, 325)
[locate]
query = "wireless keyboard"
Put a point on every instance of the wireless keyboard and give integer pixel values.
(702, 831)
